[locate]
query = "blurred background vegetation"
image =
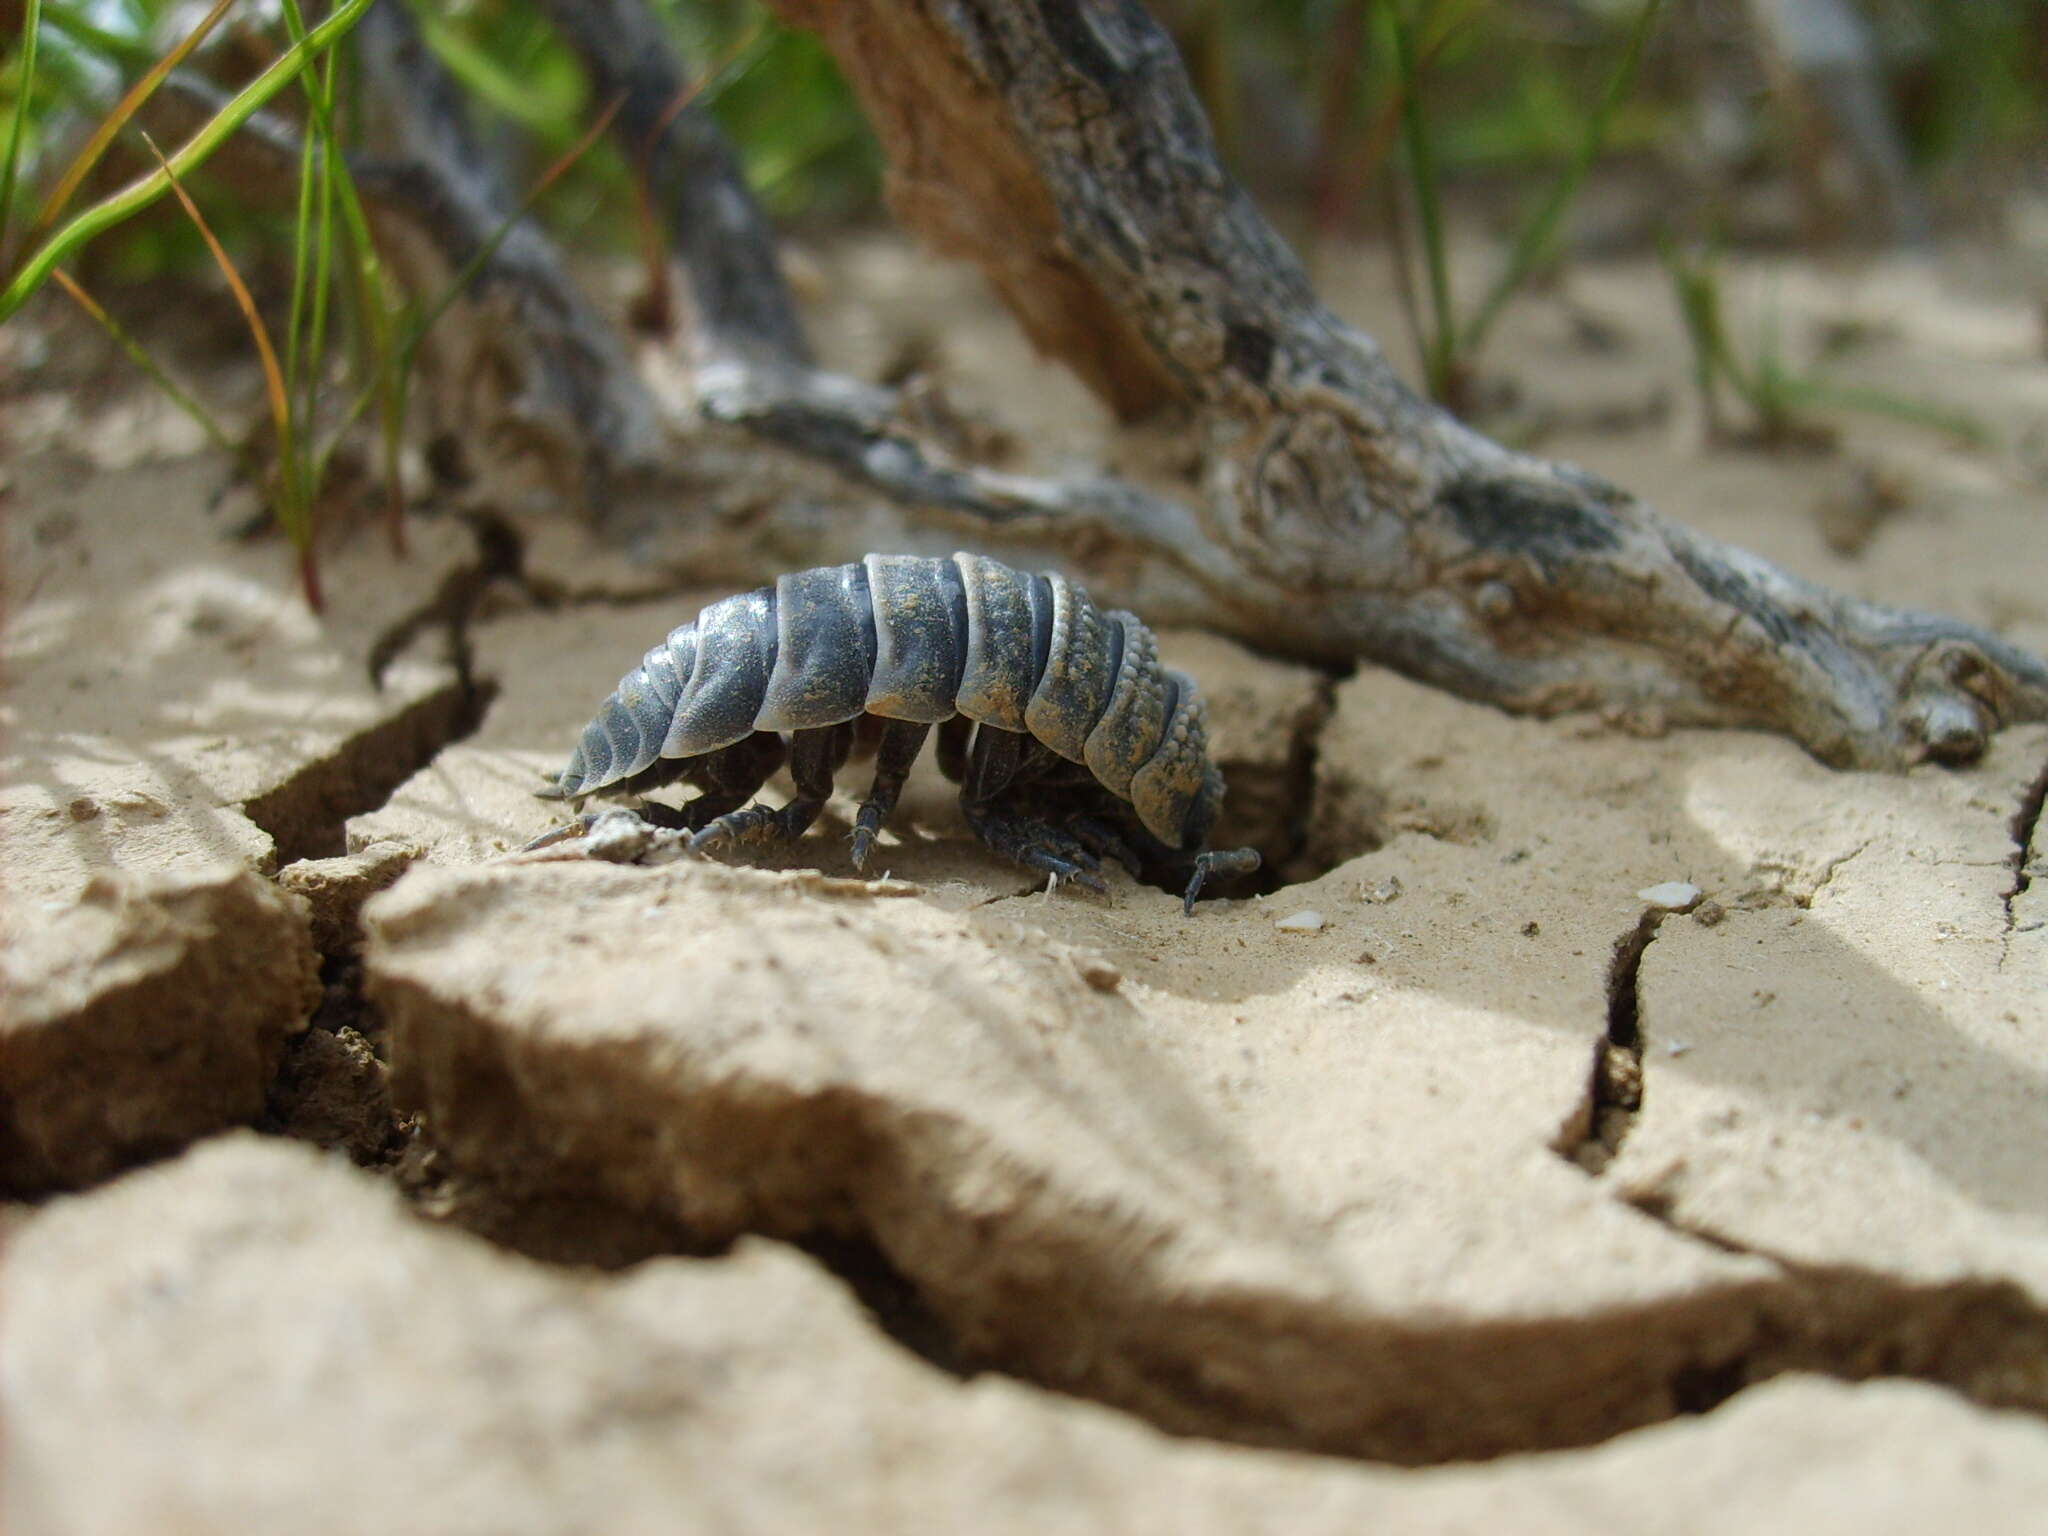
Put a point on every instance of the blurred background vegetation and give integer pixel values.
(1550, 127)
(1300, 93)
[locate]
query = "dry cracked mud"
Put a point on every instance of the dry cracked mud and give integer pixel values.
(1581, 1126)
(368, 1372)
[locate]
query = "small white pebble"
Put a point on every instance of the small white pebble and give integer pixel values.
(1676, 1048)
(1672, 895)
(1307, 920)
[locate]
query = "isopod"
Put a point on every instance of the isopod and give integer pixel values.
(1067, 737)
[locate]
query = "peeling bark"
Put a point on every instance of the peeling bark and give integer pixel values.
(1338, 517)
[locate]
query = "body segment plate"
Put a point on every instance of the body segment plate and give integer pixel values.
(825, 639)
(920, 637)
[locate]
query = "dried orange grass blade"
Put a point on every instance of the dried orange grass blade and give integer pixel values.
(309, 580)
(656, 310)
(695, 88)
(579, 149)
(273, 375)
(139, 355)
(84, 300)
(131, 103)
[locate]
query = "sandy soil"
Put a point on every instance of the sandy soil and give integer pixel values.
(1587, 1127)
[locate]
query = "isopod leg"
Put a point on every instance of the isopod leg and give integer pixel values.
(813, 758)
(726, 779)
(730, 777)
(992, 766)
(1217, 861)
(900, 743)
(1105, 842)
(952, 748)
(673, 818)
(1035, 845)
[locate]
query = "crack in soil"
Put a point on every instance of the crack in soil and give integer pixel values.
(1594, 1131)
(500, 555)
(306, 816)
(1638, 1365)
(2026, 823)
(891, 1301)
(1834, 867)
(1985, 1339)
(1293, 862)
(331, 1087)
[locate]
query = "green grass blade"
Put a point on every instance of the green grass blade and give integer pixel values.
(1696, 285)
(1958, 424)
(1440, 353)
(338, 197)
(109, 126)
(483, 78)
(10, 168)
(301, 359)
(139, 355)
(131, 52)
(139, 194)
(391, 389)
(323, 273)
(1533, 241)
(295, 310)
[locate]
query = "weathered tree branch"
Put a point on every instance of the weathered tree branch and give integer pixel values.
(526, 368)
(1339, 517)
(1058, 145)
(714, 225)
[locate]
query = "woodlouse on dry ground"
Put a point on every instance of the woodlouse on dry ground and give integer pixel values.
(1067, 737)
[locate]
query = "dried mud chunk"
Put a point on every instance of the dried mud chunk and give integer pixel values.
(1059, 1168)
(150, 1013)
(337, 888)
(332, 1091)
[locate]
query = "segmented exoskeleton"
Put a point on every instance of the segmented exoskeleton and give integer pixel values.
(1073, 719)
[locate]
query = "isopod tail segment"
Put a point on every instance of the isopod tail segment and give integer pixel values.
(1066, 734)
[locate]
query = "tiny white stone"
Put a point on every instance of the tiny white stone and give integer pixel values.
(1307, 920)
(1672, 895)
(1677, 1048)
